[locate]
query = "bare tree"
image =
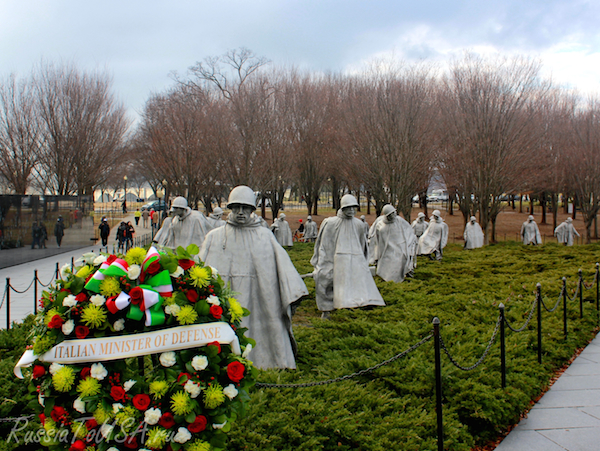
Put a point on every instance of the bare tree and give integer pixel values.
(20, 136)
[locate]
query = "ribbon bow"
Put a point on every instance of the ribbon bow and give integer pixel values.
(112, 267)
(142, 301)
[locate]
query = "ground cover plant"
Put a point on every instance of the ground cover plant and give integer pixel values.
(394, 407)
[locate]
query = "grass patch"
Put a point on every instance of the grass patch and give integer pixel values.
(394, 407)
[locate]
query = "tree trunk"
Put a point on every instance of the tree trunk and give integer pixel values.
(521, 204)
(575, 207)
(316, 204)
(543, 205)
(554, 203)
(530, 204)
(368, 203)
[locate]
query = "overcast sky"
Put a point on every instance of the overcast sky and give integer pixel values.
(140, 42)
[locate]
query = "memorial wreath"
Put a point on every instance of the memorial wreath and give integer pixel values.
(138, 352)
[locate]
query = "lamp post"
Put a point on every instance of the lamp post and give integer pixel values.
(125, 194)
(166, 186)
(159, 194)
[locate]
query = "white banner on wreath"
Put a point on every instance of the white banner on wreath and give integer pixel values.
(126, 346)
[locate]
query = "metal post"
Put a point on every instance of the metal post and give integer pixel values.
(438, 384)
(7, 303)
(72, 263)
(598, 292)
(57, 274)
(35, 292)
(564, 280)
(539, 320)
(580, 294)
(502, 347)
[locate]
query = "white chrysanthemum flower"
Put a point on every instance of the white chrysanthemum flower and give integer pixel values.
(134, 272)
(68, 327)
(172, 309)
(219, 426)
(79, 405)
(98, 371)
(212, 299)
(65, 271)
(99, 260)
(98, 300)
(214, 270)
(119, 325)
(69, 301)
(167, 359)
(41, 400)
(127, 385)
(152, 415)
(178, 272)
(230, 391)
(247, 351)
(182, 436)
(106, 429)
(116, 407)
(192, 388)
(112, 448)
(200, 362)
(54, 368)
(88, 258)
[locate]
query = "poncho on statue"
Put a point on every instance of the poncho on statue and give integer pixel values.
(473, 234)
(282, 231)
(435, 238)
(396, 246)
(215, 218)
(341, 270)
(185, 227)
(249, 257)
(419, 225)
(530, 232)
(565, 231)
(310, 230)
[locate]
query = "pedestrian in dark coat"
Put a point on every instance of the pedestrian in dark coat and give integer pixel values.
(104, 231)
(59, 230)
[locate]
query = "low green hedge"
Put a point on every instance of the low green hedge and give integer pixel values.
(394, 407)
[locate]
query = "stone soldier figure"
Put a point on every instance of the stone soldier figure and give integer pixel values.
(310, 230)
(215, 218)
(184, 227)
(248, 256)
(283, 232)
(435, 238)
(473, 234)
(530, 232)
(565, 232)
(419, 225)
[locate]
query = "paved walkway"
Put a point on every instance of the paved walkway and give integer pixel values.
(44, 261)
(567, 417)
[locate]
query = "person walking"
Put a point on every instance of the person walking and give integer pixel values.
(104, 231)
(59, 230)
(44, 236)
(145, 216)
(36, 234)
(129, 233)
(137, 215)
(122, 236)
(154, 218)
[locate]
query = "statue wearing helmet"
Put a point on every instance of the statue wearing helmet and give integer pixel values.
(565, 232)
(340, 261)
(395, 246)
(473, 234)
(215, 218)
(530, 232)
(282, 231)
(184, 227)
(248, 257)
(310, 230)
(435, 238)
(419, 225)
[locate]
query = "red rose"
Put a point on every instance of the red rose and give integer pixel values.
(56, 322)
(185, 263)
(137, 295)
(110, 259)
(217, 345)
(153, 267)
(141, 402)
(166, 420)
(82, 331)
(91, 424)
(198, 425)
(183, 378)
(117, 392)
(216, 311)
(38, 371)
(42, 418)
(131, 442)
(57, 413)
(85, 373)
(192, 296)
(78, 445)
(235, 371)
(81, 297)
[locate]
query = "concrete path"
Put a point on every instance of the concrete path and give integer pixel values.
(567, 417)
(22, 275)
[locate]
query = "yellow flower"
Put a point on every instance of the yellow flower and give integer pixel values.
(63, 379)
(135, 256)
(100, 414)
(42, 344)
(110, 287)
(49, 315)
(198, 445)
(181, 403)
(235, 309)
(79, 429)
(84, 271)
(157, 438)
(89, 387)
(200, 276)
(93, 315)
(187, 315)
(126, 418)
(158, 389)
(213, 396)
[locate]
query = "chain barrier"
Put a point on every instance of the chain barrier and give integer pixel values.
(349, 376)
(4, 297)
(46, 284)
(591, 285)
(522, 328)
(25, 290)
(575, 295)
(481, 359)
(562, 290)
